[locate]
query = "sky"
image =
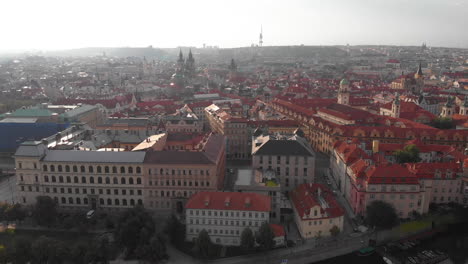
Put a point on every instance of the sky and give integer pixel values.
(66, 24)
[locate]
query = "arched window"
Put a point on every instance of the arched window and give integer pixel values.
(75, 168)
(117, 202)
(130, 169)
(122, 169)
(114, 169)
(90, 169)
(54, 179)
(122, 180)
(75, 179)
(101, 201)
(132, 202)
(44, 167)
(56, 200)
(64, 201)
(78, 201)
(82, 169)
(106, 169)
(99, 169)
(67, 168)
(70, 200)
(130, 181)
(115, 180)
(68, 179)
(52, 168)
(124, 202)
(83, 179)
(85, 200)
(99, 180)
(140, 202)
(60, 178)
(109, 201)
(138, 170)
(91, 179)
(107, 180)
(138, 180)
(59, 168)
(46, 178)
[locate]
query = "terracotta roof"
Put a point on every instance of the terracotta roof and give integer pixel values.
(239, 201)
(304, 198)
(278, 230)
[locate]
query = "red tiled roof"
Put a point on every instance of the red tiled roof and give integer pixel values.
(390, 174)
(278, 230)
(304, 198)
(239, 201)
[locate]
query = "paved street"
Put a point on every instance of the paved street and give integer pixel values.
(8, 189)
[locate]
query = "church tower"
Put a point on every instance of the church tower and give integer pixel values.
(396, 106)
(343, 92)
(260, 41)
(464, 107)
(180, 61)
(448, 109)
(190, 64)
(419, 81)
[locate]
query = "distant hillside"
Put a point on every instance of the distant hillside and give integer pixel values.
(148, 52)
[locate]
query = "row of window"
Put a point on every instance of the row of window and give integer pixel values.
(215, 231)
(226, 214)
(442, 198)
(100, 180)
(83, 191)
(90, 169)
(286, 171)
(393, 196)
(179, 183)
(204, 221)
(178, 172)
(116, 202)
(296, 159)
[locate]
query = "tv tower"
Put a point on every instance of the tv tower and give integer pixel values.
(260, 42)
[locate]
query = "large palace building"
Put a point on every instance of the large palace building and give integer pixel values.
(76, 175)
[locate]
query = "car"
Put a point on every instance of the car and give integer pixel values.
(90, 214)
(328, 182)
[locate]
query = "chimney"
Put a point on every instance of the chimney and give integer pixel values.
(375, 146)
(247, 202)
(207, 200)
(227, 201)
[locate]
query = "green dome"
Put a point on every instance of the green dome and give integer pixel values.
(344, 81)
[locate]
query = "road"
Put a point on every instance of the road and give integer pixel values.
(8, 189)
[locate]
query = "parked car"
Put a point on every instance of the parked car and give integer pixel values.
(90, 214)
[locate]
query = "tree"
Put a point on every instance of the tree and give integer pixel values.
(204, 243)
(409, 153)
(48, 250)
(247, 239)
(22, 251)
(175, 230)
(153, 252)
(381, 215)
(335, 231)
(45, 211)
(265, 236)
(78, 253)
(443, 123)
(134, 228)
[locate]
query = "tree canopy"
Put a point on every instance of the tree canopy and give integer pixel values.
(443, 123)
(265, 236)
(409, 153)
(247, 239)
(45, 211)
(204, 244)
(381, 215)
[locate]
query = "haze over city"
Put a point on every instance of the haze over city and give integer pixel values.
(54, 24)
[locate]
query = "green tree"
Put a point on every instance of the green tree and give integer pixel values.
(175, 230)
(134, 228)
(265, 236)
(443, 123)
(409, 153)
(247, 239)
(45, 211)
(78, 253)
(15, 212)
(22, 250)
(335, 231)
(381, 215)
(204, 244)
(153, 252)
(48, 250)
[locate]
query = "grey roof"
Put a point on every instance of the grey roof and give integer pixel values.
(94, 156)
(79, 110)
(19, 120)
(283, 147)
(31, 149)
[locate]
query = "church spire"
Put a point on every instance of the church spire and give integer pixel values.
(419, 72)
(181, 57)
(260, 42)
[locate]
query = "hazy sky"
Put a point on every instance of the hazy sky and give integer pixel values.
(63, 24)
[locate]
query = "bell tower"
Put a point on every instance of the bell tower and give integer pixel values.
(343, 92)
(396, 106)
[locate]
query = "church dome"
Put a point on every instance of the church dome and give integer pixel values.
(344, 81)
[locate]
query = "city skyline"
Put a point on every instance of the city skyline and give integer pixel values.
(53, 25)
